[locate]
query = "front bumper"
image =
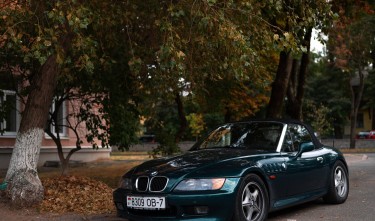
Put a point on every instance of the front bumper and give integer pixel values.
(182, 206)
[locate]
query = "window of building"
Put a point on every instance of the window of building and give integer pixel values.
(10, 117)
(58, 126)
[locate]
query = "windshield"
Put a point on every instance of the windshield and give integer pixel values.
(252, 136)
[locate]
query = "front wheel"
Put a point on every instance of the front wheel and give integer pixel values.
(338, 188)
(252, 200)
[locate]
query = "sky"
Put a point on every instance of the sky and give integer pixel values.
(316, 46)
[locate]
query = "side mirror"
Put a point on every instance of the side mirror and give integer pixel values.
(305, 147)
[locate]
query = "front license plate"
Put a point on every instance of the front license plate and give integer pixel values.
(144, 202)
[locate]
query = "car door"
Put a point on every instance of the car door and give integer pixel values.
(307, 172)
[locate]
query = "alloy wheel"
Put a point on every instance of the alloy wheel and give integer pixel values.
(252, 201)
(341, 183)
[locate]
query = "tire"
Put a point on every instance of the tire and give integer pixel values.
(338, 188)
(252, 200)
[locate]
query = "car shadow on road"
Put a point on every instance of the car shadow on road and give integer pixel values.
(294, 210)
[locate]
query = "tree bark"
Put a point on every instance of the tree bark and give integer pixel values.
(291, 104)
(356, 97)
(297, 82)
(24, 186)
(279, 87)
(181, 117)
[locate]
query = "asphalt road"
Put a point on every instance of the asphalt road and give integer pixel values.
(360, 205)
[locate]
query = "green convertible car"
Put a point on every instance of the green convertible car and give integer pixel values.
(240, 171)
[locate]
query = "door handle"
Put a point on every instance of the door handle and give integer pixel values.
(320, 159)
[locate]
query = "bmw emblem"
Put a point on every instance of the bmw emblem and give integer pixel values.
(154, 173)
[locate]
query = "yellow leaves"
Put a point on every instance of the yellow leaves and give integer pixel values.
(211, 2)
(249, 102)
(231, 32)
(24, 49)
(59, 58)
(281, 23)
(47, 43)
(69, 16)
(196, 123)
(180, 54)
(276, 37)
(287, 36)
(134, 61)
(288, 41)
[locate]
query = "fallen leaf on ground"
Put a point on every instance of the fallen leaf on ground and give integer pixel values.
(76, 194)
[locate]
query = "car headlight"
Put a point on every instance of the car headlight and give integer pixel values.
(200, 184)
(125, 183)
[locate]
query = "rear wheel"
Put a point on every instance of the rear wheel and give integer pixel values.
(338, 189)
(252, 200)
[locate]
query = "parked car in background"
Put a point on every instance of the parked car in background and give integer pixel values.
(240, 171)
(363, 135)
(371, 134)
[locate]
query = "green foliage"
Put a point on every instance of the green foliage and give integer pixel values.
(196, 124)
(164, 124)
(167, 145)
(125, 125)
(318, 117)
(326, 88)
(212, 120)
(351, 46)
(352, 41)
(90, 46)
(133, 57)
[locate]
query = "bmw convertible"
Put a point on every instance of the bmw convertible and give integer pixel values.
(240, 171)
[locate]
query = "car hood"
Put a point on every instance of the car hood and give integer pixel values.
(200, 163)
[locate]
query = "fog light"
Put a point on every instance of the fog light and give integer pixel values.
(120, 206)
(201, 210)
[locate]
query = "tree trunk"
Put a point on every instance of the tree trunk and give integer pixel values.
(353, 122)
(297, 81)
(64, 161)
(227, 115)
(182, 118)
(24, 185)
(279, 87)
(356, 97)
(56, 136)
(372, 118)
(291, 108)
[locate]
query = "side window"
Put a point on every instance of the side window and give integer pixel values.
(296, 134)
(288, 143)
